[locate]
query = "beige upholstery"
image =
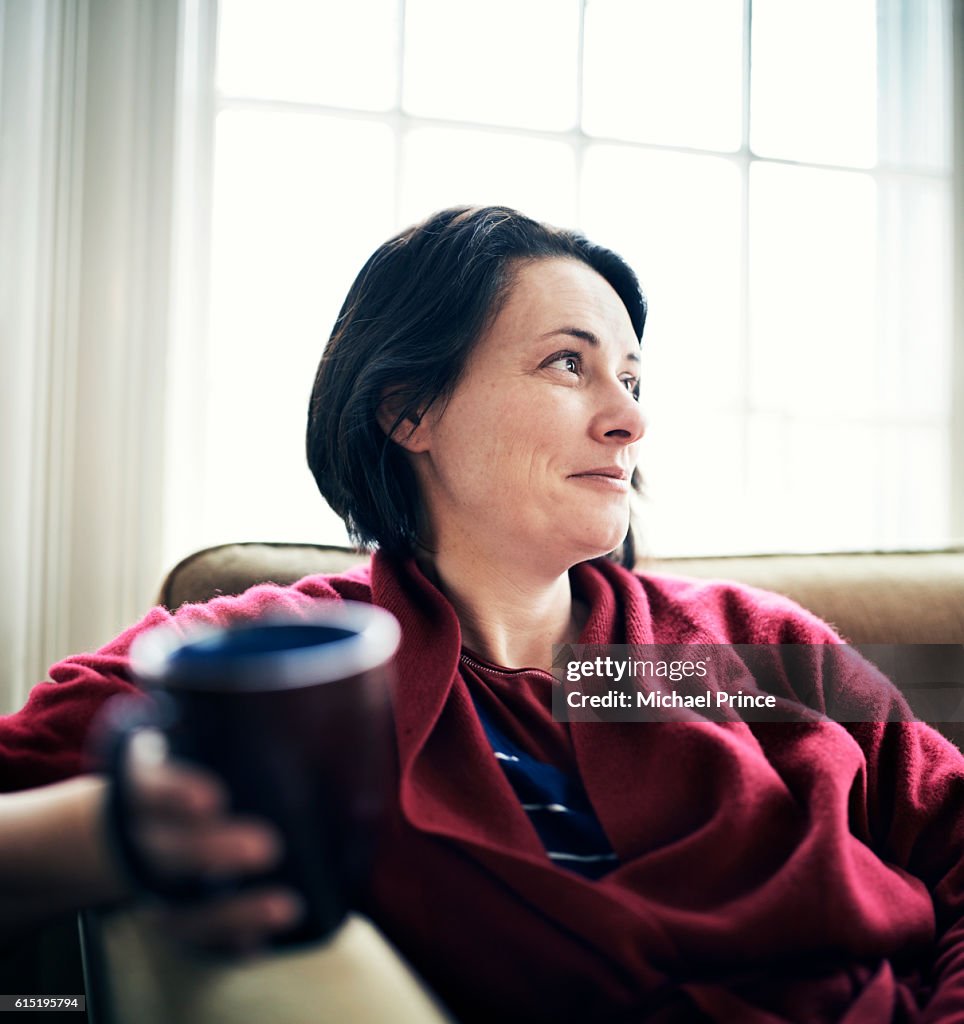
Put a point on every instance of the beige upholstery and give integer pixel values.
(357, 977)
(870, 598)
(232, 568)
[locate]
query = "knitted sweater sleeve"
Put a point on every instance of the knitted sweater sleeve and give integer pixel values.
(909, 803)
(911, 808)
(44, 742)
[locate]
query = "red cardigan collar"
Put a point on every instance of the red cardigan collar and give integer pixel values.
(451, 786)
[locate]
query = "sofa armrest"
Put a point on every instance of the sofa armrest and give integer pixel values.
(145, 979)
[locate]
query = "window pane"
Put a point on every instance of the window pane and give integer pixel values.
(449, 167)
(310, 51)
(693, 469)
(913, 486)
(668, 73)
(510, 62)
(813, 295)
(814, 81)
(813, 483)
(820, 485)
(300, 202)
(677, 219)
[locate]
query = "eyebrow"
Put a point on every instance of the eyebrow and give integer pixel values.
(588, 337)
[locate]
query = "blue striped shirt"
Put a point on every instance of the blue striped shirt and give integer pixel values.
(557, 805)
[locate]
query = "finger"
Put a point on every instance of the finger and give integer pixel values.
(237, 923)
(213, 848)
(170, 788)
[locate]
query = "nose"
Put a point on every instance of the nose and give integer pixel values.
(620, 419)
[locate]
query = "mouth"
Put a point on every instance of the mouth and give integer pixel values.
(609, 477)
(609, 472)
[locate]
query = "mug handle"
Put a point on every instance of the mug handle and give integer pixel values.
(120, 720)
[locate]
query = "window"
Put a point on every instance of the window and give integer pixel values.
(778, 174)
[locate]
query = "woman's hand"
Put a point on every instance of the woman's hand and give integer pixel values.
(180, 822)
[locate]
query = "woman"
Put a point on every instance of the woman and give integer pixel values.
(475, 416)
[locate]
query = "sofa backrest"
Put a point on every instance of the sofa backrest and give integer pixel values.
(869, 597)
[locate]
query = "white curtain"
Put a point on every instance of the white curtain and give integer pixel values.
(957, 365)
(90, 92)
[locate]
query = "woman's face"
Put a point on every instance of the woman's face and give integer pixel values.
(532, 455)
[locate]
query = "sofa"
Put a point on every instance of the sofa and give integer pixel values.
(905, 598)
(870, 597)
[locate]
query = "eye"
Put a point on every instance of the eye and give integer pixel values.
(571, 362)
(632, 385)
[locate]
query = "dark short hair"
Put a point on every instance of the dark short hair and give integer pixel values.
(408, 324)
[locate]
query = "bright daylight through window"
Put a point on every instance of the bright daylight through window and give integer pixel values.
(782, 189)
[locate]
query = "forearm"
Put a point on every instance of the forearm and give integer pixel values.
(54, 856)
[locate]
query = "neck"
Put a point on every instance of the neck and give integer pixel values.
(507, 616)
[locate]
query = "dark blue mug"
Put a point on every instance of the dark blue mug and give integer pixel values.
(294, 715)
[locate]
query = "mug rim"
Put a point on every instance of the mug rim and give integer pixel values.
(375, 636)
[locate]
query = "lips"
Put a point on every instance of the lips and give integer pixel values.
(612, 472)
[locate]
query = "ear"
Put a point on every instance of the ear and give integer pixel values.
(411, 432)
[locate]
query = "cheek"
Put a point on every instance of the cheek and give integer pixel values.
(498, 427)
(527, 452)
(495, 438)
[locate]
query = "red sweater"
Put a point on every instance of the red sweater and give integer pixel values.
(768, 872)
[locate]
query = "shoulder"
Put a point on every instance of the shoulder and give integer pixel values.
(262, 599)
(725, 611)
(273, 598)
(45, 740)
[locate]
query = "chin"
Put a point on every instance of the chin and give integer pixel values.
(598, 542)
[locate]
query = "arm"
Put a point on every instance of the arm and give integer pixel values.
(54, 851)
(915, 816)
(55, 855)
(907, 804)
